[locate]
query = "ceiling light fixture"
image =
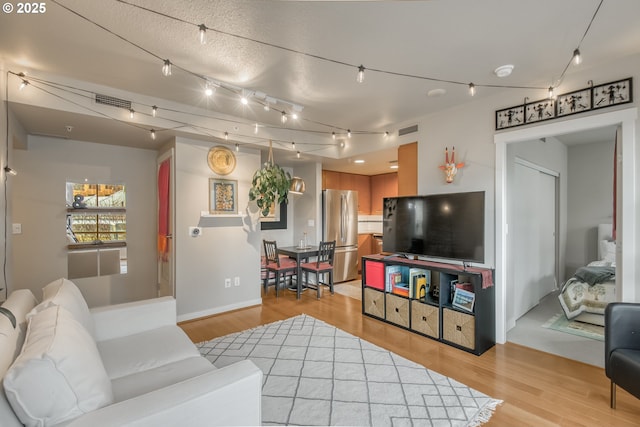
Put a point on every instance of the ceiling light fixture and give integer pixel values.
(577, 58)
(360, 77)
(10, 171)
(154, 110)
(255, 130)
(283, 117)
(386, 134)
(226, 135)
(209, 88)
(132, 113)
(153, 134)
(166, 68)
(24, 84)
(202, 32)
(293, 145)
(358, 161)
(472, 89)
(298, 154)
(348, 133)
(333, 135)
(503, 70)
(237, 147)
(550, 92)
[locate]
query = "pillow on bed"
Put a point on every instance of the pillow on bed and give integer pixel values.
(608, 251)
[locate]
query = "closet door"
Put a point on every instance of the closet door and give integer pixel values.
(533, 234)
(166, 247)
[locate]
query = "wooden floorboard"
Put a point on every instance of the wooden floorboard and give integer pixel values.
(538, 389)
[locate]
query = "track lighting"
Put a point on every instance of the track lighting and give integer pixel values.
(202, 31)
(348, 133)
(577, 58)
(153, 134)
(24, 84)
(360, 77)
(472, 89)
(154, 110)
(386, 134)
(10, 171)
(166, 68)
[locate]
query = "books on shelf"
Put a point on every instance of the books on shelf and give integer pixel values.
(419, 280)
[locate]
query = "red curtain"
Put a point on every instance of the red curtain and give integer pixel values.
(163, 210)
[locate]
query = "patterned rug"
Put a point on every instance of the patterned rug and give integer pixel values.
(316, 374)
(559, 322)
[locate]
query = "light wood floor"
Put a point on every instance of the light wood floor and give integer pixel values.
(538, 389)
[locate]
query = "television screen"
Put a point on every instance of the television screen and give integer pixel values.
(441, 225)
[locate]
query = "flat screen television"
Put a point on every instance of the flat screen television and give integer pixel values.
(440, 225)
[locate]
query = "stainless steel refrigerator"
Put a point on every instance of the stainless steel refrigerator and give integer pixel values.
(340, 223)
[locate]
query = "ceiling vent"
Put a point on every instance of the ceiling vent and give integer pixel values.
(113, 102)
(410, 129)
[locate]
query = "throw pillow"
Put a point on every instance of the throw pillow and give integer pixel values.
(59, 374)
(65, 293)
(608, 251)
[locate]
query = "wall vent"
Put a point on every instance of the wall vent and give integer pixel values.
(112, 101)
(410, 129)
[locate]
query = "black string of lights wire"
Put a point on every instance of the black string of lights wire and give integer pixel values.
(581, 40)
(36, 82)
(199, 76)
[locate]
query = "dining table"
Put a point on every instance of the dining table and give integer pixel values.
(299, 253)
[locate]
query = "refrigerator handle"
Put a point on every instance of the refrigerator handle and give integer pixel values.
(343, 219)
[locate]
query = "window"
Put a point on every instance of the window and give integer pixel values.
(96, 229)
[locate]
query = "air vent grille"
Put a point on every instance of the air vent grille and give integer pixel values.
(112, 101)
(410, 129)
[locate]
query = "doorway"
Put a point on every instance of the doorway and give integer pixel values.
(166, 247)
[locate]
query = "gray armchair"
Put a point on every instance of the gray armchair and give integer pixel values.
(622, 347)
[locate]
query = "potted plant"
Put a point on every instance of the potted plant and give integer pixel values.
(270, 185)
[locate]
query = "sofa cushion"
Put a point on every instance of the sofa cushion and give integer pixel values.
(58, 375)
(65, 293)
(163, 376)
(145, 350)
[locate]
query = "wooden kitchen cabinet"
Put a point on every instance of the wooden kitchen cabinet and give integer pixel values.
(383, 185)
(365, 248)
(350, 181)
(362, 184)
(331, 180)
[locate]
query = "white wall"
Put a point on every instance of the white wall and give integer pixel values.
(39, 254)
(590, 200)
(228, 247)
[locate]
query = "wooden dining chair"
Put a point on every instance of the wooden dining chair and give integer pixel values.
(276, 266)
(321, 266)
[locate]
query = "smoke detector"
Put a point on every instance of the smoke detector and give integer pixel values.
(503, 70)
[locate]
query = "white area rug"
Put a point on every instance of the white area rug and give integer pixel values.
(316, 374)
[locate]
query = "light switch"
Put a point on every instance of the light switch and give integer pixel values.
(16, 228)
(311, 223)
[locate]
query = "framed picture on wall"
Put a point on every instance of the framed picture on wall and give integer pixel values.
(223, 196)
(277, 218)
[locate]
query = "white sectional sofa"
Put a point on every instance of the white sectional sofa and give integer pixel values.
(126, 364)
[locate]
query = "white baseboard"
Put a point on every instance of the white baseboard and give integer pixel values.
(218, 310)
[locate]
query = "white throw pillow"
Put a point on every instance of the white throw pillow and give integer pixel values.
(58, 375)
(608, 251)
(65, 293)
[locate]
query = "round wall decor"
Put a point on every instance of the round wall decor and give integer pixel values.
(221, 160)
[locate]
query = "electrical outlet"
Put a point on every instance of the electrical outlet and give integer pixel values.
(16, 228)
(195, 231)
(227, 282)
(236, 281)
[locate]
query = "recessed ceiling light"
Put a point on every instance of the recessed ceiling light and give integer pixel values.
(393, 167)
(503, 70)
(436, 92)
(358, 161)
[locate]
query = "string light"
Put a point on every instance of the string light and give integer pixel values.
(154, 110)
(348, 133)
(132, 113)
(237, 147)
(283, 117)
(333, 135)
(10, 171)
(153, 134)
(298, 154)
(202, 31)
(472, 89)
(244, 100)
(577, 58)
(255, 130)
(386, 134)
(550, 92)
(360, 77)
(293, 145)
(209, 89)
(24, 84)
(226, 135)
(166, 68)
(294, 116)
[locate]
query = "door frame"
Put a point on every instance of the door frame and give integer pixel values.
(626, 210)
(169, 154)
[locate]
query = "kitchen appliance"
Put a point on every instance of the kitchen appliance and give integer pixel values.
(340, 223)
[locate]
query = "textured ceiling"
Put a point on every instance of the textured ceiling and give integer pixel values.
(114, 44)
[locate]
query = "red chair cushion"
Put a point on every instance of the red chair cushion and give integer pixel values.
(324, 266)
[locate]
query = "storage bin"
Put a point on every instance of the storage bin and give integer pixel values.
(459, 328)
(397, 310)
(373, 302)
(374, 274)
(425, 319)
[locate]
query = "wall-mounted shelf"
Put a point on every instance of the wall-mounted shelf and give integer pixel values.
(93, 210)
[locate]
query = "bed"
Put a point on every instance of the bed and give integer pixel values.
(586, 294)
